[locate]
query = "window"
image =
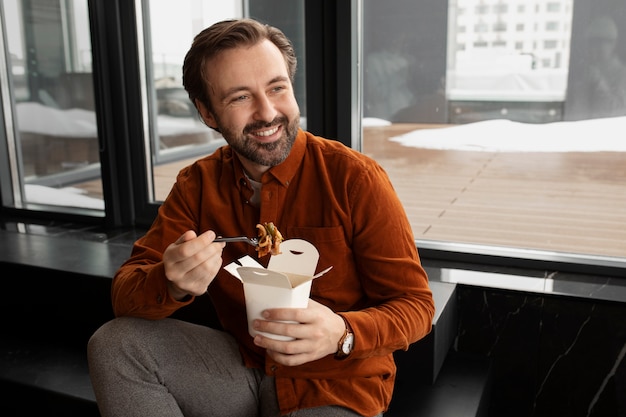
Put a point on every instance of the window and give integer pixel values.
(500, 8)
(553, 7)
(53, 143)
(499, 27)
(467, 137)
(550, 44)
(481, 9)
(552, 26)
(481, 27)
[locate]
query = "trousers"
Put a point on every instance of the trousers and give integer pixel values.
(173, 368)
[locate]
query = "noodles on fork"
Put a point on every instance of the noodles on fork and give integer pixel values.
(269, 239)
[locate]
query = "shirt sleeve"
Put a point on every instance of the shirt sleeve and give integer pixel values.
(400, 306)
(139, 286)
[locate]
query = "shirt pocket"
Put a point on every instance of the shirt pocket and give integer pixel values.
(340, 285)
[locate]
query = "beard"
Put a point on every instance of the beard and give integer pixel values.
(266, 154)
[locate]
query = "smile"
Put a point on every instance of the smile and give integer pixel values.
(266, 133)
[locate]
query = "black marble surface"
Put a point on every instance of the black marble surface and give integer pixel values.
(89, 250)
(557, 339)
(552, 355)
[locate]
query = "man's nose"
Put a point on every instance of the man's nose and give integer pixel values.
(265, 109)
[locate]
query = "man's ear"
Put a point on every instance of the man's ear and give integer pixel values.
(207, 116)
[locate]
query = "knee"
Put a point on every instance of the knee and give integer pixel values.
(107, 339)
(101, 340)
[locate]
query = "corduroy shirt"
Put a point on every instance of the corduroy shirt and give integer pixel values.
(344, 204)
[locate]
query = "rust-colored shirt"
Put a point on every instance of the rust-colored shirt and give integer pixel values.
(343, 203)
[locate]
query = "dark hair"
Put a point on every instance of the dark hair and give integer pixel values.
(225, 35)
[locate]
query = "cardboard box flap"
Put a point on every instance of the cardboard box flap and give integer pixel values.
(261, 276)
(243, 261)
(298, 257)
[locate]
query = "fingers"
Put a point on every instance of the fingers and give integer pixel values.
(291, 353)
(188, 235)
(315, 330)
(193, 261)
(189, 246)
(284, 357)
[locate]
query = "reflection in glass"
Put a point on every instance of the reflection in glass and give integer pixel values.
(599, 81)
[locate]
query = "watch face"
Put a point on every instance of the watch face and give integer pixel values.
(347, 344)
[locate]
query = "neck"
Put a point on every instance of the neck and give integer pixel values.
(252, 170)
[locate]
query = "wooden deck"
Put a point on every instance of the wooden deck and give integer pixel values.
(562, 202)
(565, 202)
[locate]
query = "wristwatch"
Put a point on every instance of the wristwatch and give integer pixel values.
(344, 347)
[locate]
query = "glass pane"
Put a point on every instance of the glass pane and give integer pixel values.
(180, 137)
(501, 123)
(52, 102)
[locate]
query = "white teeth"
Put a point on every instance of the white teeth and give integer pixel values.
(267, 132)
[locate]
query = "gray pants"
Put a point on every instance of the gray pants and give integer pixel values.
(173, 368)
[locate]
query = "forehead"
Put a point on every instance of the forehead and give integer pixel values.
(246, 66)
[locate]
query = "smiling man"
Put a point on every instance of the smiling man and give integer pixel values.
(336, 358)
(257, 114)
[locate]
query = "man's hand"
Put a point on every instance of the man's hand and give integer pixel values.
(317, 330)
(191, 263)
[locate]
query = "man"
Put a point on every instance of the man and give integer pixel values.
(605, 72)
(374, 300)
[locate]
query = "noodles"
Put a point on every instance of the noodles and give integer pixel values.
(269, 239)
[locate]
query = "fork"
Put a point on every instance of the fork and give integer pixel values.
(253, 241)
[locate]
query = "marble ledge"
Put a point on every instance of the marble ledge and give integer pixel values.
(603, 288)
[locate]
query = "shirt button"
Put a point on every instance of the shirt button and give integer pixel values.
(274, 368)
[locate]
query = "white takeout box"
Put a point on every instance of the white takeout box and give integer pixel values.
(285, 283)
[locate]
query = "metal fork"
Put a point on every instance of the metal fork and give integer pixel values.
(253, 241)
